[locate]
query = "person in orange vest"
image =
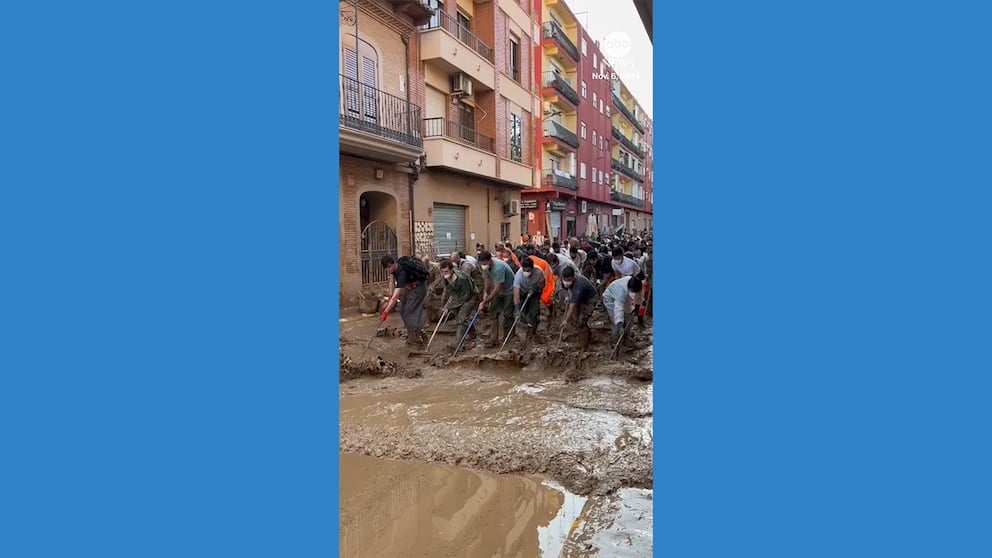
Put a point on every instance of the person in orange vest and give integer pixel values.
(548, 293)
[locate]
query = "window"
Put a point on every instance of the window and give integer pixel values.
(595, 60)
(595, 99)
(436, 18)
(582, 170)
(600, 177)
(600, 105)
(464, 28)
(516, 138)
(607, 110)
(583, 90)
(582, 130)
(504, 231)
(466, 119)
(515, 58)
(361, 79)
(594, 174)
(583, 47)
(594, 137)
(555, 162)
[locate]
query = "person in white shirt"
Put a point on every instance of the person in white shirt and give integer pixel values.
(622, 265)
(617, 299)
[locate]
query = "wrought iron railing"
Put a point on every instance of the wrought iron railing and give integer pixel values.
(376, 112)
(444, 128)
(562, 85)
(442, 20)
(553, 129)
(560, 179)
(621, 167)
(627, 143)
(554, 31)
(625, 198)
(626, 112)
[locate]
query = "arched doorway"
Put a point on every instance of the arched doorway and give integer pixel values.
(377, 216)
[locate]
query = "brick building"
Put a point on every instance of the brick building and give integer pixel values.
(381, 142)
(593, 164)
(478, 126)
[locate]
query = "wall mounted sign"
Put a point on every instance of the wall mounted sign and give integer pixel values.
(528, 204)
(558, 205)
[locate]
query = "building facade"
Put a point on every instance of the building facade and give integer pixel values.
(593, 158)
(381, 142)
(478, 126)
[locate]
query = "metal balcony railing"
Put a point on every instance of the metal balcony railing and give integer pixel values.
(367, 109)
(627, 143)
(626, 112)
(625, 198)
(442, 20)
(443, 128)
(562, 85)
(560, 179)
(622, 168)
(553, 129)
(553, 31)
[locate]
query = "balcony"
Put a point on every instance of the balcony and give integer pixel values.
(377, 125)
(561, 84)
(637, 151)
(449, 144)
(560, 179)
(626, 112)
(625, 170)
(452, 46)
(556, 34)
(625, 198)
(558, 132)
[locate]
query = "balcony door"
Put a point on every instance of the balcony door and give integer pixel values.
(361, 80)
(466, 116)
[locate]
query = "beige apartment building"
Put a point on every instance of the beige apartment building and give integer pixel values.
(381, 140)
(479, 124)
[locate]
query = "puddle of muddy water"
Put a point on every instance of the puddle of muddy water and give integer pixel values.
(405, 509)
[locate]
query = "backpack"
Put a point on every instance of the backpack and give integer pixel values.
(462, 275)
(414, 268)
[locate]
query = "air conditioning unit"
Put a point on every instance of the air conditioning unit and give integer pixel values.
(461, 85)
(585, 208)
(511, 208)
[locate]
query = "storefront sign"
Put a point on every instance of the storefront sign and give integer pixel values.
(528, 204)
(558, 205)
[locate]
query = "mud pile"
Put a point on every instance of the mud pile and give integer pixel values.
(351, 368)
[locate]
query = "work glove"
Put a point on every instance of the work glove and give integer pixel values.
(383, 316)
(642, 311)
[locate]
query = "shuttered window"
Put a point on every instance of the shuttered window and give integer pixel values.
(361, 86)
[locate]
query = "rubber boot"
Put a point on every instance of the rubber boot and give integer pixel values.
(415, 339)
(459, 333)
(584, 339)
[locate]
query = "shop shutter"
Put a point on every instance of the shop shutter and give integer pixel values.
(449, 228)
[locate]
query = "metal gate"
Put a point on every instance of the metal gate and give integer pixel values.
(378, 240)
(449, 228)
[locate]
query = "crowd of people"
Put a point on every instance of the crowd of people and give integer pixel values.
(536, 288)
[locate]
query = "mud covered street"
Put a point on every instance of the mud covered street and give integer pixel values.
(546, 419)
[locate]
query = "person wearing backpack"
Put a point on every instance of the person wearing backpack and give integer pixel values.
(462, 296)
(409, 283)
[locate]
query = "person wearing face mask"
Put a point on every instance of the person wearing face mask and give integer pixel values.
(622, 265)
(470, 267)
(617, 299)
(461, 294)
(528, 284)
(497, 296)
(581, 303)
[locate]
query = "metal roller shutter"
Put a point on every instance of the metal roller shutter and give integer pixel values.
(449, 228)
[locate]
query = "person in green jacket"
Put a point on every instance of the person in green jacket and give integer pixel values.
(462, 295)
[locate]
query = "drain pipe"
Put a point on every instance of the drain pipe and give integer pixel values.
(412, 177)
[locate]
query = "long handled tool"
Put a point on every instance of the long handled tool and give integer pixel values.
(515, 321)
(369, 344)
(467, 331)
(444, 318)
(617, 346)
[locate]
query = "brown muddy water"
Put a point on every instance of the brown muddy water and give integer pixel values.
(562, 442)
